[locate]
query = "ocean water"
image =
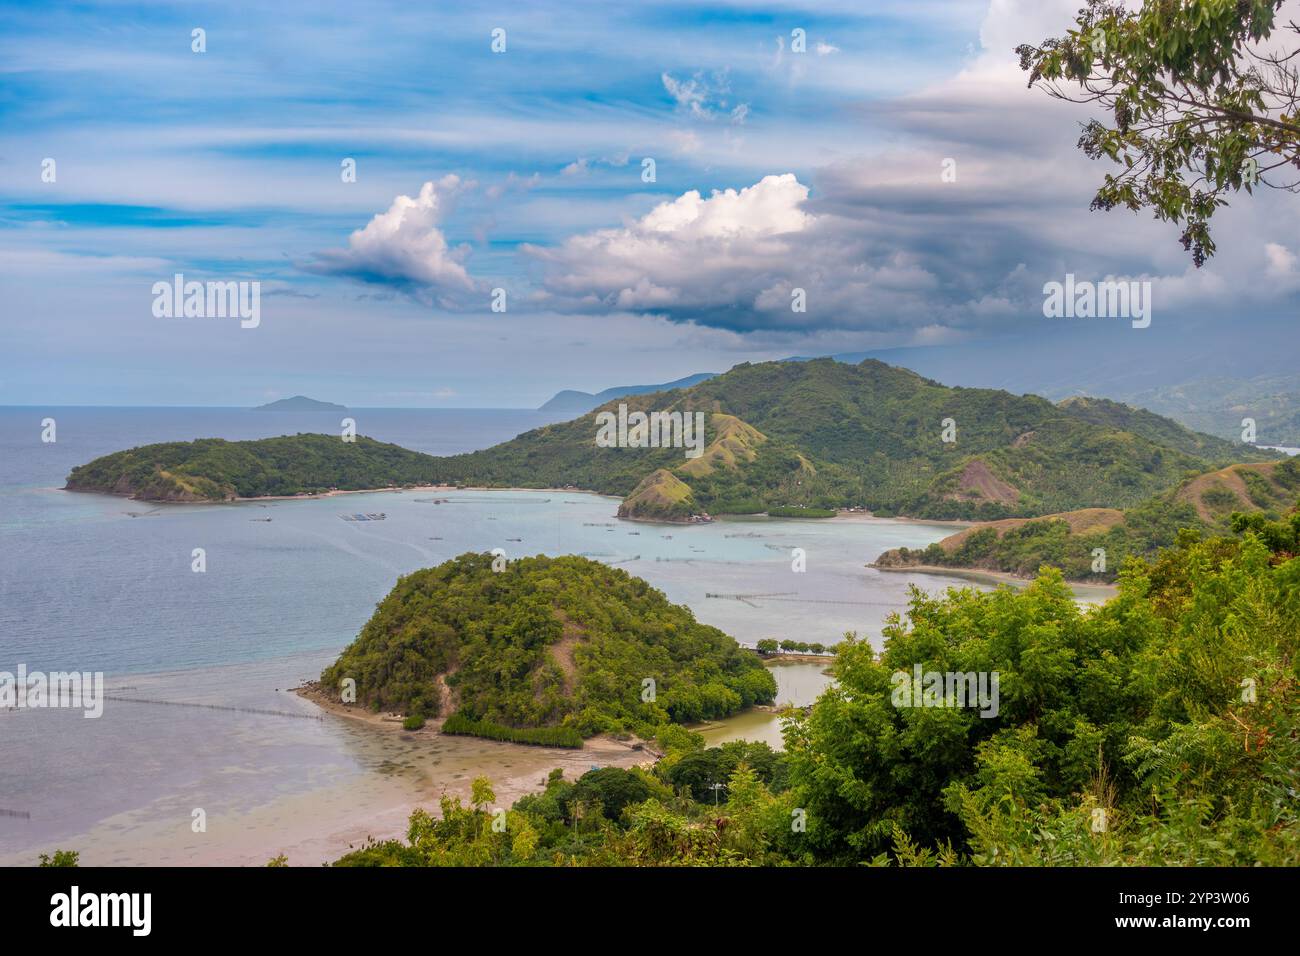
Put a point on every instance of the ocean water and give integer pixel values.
(198, 665)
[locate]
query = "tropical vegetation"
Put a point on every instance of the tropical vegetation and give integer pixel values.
(545, 651)
(1162, 728)
(213, 469)
(802, 439)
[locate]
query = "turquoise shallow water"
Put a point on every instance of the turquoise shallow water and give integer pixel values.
(97, 583)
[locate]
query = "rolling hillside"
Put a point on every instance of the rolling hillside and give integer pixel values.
(786, 436)
(823, 434)
(1070, 540)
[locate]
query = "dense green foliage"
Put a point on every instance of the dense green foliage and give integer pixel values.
(1160, 729)
(1194, 104)
(614, 817)
(1153, 427)
(697, 771)
(545, 643)
(212, 469)
(1174, 708)
(770, 645)
(61, 858)
(834, 435)
(459, 724)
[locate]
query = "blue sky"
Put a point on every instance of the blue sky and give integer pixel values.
(225, 165)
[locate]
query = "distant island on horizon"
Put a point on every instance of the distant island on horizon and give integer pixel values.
(299, 403)
(575, 402)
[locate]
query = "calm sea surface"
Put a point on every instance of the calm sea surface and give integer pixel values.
(98, 583)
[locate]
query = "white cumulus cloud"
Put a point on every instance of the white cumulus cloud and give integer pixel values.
(404, 246)
(732, 260)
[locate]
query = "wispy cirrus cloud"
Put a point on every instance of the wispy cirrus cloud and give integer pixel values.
(706, 96)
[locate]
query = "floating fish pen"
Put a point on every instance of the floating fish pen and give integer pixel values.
(372, 516)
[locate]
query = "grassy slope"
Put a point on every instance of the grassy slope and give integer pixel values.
(1068, 540)
(828, 434)
(660, 496)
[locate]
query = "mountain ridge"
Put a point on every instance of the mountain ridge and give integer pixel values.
(871, 436)
(817, 436)
(572, 400)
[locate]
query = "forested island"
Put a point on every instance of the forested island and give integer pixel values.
(213, 469)
(1162, 728)
(544, 650)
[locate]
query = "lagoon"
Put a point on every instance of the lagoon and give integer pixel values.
(198, 666)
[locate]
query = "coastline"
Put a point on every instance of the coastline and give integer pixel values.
(986, 576)
(847, 515)
(794, 658)
(842, 514)
(326, 494)
(601, 744)
(405, 770)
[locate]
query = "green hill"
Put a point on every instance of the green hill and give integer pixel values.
(808, 436)
(661, 496)
(825, 434)
(213, 469)
(545, 643)
(1205, 503)
(1218, 404)
(1156, 428)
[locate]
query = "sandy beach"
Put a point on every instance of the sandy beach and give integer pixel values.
(331, 815)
